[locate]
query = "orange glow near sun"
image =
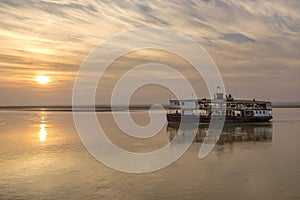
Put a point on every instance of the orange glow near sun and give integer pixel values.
(43, 80)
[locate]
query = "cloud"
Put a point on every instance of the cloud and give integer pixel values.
(236, 37)
(56, 35)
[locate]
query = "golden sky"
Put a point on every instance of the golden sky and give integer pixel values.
(255, 44)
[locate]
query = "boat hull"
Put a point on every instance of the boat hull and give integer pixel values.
(204, 119)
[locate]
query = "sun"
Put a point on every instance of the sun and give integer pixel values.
(43, 80)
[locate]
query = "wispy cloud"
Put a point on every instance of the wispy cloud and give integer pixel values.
(244, 37)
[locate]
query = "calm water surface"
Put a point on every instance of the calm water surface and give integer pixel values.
(41, 157)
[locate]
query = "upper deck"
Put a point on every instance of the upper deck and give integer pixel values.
(228, 104)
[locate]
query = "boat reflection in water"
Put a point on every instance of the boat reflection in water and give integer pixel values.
(256, 132)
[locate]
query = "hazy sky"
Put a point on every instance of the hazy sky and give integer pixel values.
(255, 44)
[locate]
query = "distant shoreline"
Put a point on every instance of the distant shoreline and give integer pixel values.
(286, 106)
(101, 108)
(106, 108)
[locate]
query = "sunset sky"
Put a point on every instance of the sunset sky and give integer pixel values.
(255, 44)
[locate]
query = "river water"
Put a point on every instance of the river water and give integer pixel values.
(42, 157)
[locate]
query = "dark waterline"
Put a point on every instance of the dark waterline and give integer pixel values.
(107, 108)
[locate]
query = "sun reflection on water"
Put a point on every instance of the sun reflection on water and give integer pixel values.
(43, 130)
(43, 133)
